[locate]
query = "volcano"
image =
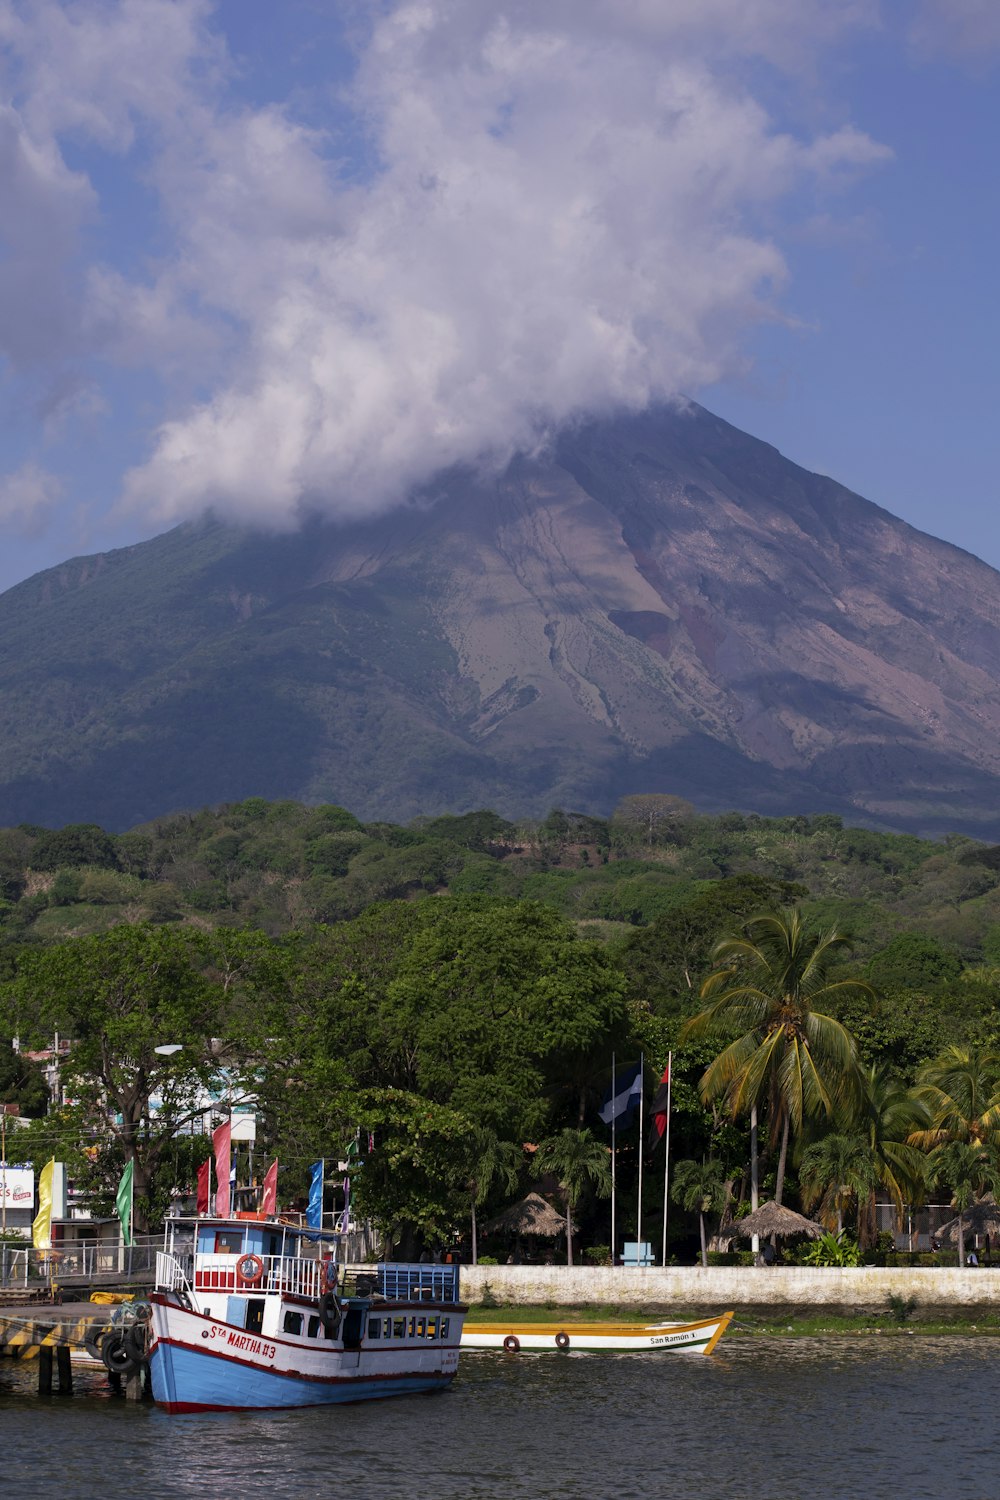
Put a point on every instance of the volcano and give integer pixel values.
(653, 603)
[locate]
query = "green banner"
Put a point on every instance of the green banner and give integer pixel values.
(123, 1203)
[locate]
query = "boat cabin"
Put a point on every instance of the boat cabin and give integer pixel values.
(262, 1277)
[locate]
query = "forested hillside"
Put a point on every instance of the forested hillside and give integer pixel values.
(457, 982)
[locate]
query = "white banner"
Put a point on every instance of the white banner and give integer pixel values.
(17, 1187)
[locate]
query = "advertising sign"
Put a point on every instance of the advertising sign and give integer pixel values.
(17, 1187)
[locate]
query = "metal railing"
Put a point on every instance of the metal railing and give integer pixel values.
(294, 1274)
(407, 1282)
(80, 1263)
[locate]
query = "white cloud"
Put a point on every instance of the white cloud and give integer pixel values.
(563, 221)
(567, 214)
(27, 497)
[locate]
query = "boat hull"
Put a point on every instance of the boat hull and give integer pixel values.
(699, 1337)
(197, 1363)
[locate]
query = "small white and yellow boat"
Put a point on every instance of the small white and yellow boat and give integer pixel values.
(598, 1338)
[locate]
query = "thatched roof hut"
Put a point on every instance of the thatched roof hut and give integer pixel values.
(979, 1219)
(532, 1215)
(772, 1219)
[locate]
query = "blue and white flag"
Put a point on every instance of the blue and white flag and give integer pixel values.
(623, 1097)
(314, 1208)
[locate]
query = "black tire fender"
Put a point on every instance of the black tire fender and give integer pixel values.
(512, 1344)
(117, 1357)
(562, 1340)
(330, 1313)
(92, 1343)
(136, 1342)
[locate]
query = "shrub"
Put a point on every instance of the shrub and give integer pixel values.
(597, 1255)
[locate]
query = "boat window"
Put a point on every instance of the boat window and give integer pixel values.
(228, 1241)
(411, 1327)
(255, 1314)
(432, 1328)
(293, 1322)
(444, 1327)
(421, 1327)
(374, 1328)
(314, 1328)
(399, 1328)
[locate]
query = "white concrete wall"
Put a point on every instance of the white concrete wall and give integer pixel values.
(690, 1289)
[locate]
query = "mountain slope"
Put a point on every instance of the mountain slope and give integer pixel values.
(659, 603)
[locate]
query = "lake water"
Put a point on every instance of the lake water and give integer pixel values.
(905, 1416)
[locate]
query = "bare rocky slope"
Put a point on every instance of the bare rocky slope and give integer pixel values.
(659, 603)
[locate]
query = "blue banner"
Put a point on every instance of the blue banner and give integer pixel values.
(314, 1211)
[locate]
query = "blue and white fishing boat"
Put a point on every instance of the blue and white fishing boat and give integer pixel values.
(251, 1313)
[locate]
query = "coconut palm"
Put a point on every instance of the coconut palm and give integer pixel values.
(835, 1172)
(766, 986)
(492, 1161)
(969, 1170)
(959, 1093)
(887, 1115)
(701, 1186)
(579, 1161)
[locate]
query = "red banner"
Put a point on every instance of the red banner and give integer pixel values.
(201, 1205)
(269, 1197)
(221, 1141)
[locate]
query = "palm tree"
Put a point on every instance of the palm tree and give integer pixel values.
(959, 1093)
(766, 986)
(887, 1116)
(701, 1186)
(836, 1171)
(493, 1160)
(969, 1170)
(579, 1161)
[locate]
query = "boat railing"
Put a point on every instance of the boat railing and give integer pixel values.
(403, 1282)
(296, 1275)
(173, 1274)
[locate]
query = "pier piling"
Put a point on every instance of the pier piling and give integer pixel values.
(65, 1369)
(45, 1370)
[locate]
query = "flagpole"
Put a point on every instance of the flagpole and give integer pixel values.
(614, 1236)
(666, 1155)
(642, 1082)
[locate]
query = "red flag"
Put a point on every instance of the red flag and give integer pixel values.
(661, 1103)
(269, 1197)
(204, 1187)
(221, 1142)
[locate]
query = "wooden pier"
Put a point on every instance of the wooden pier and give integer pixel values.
(50, 1333)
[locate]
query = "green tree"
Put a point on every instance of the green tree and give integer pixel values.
(837, 1171)
(22, 1083)
(119, 996)
(580, 1162)
(788, 1055)
(887, 1116)
(700, 1186)
(969, 1169)
(913, 960)
(491, 1160)
(494, 1004)
(959, 1093)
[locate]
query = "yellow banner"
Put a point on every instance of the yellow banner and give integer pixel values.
(41, 1229)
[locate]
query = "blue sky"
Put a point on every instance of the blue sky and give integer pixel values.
(286, 259)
